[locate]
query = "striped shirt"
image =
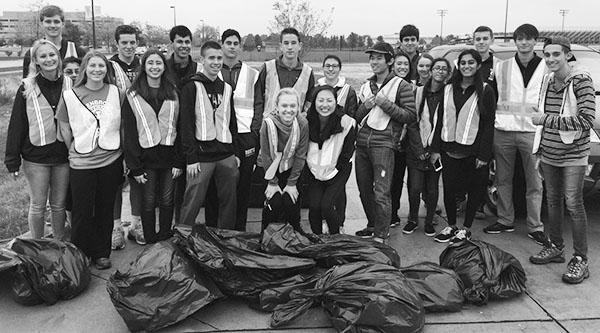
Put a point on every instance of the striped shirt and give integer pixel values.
(554, 151)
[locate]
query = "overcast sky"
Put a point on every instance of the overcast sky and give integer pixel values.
(371, 17)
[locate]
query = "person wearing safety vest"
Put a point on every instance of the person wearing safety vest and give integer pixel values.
(208, 135)
(150, 115)
(283, 147)
(566, 114)
(242, 79)
(89, 117)
(463, 140)
(423, 70)
(125, 65)
(33, 142)
(386, 104)
(52, 19)
(423, 178)
(518, 79)
(331, 145)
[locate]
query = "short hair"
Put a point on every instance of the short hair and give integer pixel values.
(399, 54)
(180, 30)
(125, 29)
(527, 31)
(289, 31)
(334, 57)
(71, 60)
(484, 28)
(409, 30)
(210, 44)
(230, 32)
(82, 77)
(288, 91)
(51, 10)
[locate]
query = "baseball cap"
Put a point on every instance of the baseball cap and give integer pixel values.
(560, 40)
(382, 48)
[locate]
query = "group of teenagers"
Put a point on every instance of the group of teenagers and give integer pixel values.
(185, 134)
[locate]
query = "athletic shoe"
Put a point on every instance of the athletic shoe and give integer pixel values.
(429, 229)
(577, 271)
(548, 254)
(460, 235)
(497, 228)
(395, 222)
(410, 227)
(480, 215)
(446, 234)
(379, 240)
(137, 233)
(342, 231)
(538, 237)
(118, 239)
(365, 233)
(103, 263)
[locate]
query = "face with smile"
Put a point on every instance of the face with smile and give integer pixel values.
(424, 68)
(155, 67)
(331, 69)
(482, 41)
(409, 44)
(182, 46)
(53, 26)
(212, 60)
(378, 63)
(126, 45)
(556, 57)
(95, 69)
(525, 44)
(290, 46)
(287, 108)
(401, 66)
(231, 47)
(71, 70)
(468, 66)
(325, 103)
(47, 59)
(439, 71)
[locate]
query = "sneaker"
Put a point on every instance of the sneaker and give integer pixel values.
(410, 227)
(395, 222)
(379, 240)
(548, 254)
(577, 271)
(342, 231)
(445, 235)
(103, 263)
(461, 235)
(118, 239)
(538, 237)
(480, 215)
(429, 229)
(365, 233)
(497, 228)
(137, 233)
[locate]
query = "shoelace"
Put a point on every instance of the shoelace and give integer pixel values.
(575, 267)
(461, 234)
(546, 251)
(447, 231)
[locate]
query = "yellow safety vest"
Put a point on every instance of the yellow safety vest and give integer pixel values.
(243, 98)
(154, 129)
(212, 123)
(377, 119)
(272, 86)
(426, 130)
(40, 116)
(122, 81)
(282, 161)
(71, 50)
(342, 94)
(322, 162)
(462, 129)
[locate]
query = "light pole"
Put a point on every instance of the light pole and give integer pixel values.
(564, 13)
(505, 19)
(174, 16)
(442, 13)
(202, 30)
(93, 27)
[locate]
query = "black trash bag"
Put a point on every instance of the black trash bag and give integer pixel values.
(8, 259)
(440, 288)
(161, 287)
(329, 251)
(359, 297)
(235, 267)
(486, 271)
(270, 298)
(50, 271)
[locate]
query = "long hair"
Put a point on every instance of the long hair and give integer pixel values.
(34, 66)
(427, 85)
(313, 116)
(478, 80)
(397, 55)
(167, 85)
(82, 77)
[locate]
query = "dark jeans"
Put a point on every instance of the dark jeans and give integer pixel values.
(426, 182)
(179, 191)
(397, 182)
(94, 193)
(324, 199)
(565, 184)
(159, 186)
(374, 169)
(280, 208)
(135, 198)
(460, 175)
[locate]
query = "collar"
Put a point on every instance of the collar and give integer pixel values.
(236, 66)
(279, 63)
(341, 82)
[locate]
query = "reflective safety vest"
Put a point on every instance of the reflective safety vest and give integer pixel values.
(515, 102)
(272, 86)
(243, 98)
(342, 93)
(462, 129)
(91, 130)
(40, 116)
(282, 161)
(377, 119)
(426, 130)
(71, 50)
(154, 129)
(212, 123)
(122, 81)
(322, 162)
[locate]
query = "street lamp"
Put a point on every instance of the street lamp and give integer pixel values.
(93, 27)
(174, 16)
(442, 13)
(505, 19)
(202, 38)
(564, 13)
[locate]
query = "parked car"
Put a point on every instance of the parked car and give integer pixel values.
(587, 58)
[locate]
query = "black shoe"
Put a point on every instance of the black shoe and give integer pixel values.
(365, 233)
(497, 228)
(429, 229)
(446, 234)
(410, 227)
(460, 235)
(395, 221)
(538, 237)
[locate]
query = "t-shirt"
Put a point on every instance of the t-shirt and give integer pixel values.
(94, 100)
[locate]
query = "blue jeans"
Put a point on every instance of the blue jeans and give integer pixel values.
(426, 182)
(46, 180)
(565, 184)
(374, 173)
(160, 185)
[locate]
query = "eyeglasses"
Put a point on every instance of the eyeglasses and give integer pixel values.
(440, 69)
(331, 66)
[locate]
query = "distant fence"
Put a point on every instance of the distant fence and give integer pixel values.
(315, 55)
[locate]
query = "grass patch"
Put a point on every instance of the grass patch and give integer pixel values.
(8, 88)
